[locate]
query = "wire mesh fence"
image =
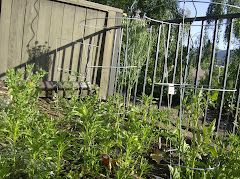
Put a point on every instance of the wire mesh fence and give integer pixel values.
(175, 64)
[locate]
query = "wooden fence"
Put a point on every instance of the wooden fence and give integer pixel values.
(28, 32)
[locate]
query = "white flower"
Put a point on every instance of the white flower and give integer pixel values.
(51, 174)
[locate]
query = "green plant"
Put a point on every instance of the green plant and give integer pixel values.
(4, 169)
(229, 157)
(204, 149)
(34, 145)
(62, 143)
(19, 127)
(39, 147)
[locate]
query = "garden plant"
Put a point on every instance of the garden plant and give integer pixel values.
(91, 138)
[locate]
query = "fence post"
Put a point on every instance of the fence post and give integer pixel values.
(105, 87)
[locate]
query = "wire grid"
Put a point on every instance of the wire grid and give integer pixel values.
(195, 84)
(168, 72)
(120, 73)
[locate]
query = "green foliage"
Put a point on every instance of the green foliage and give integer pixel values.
(217, 9)
(137, 40)
(230, 165)
(20, 132)
(35, 145)
(158, 9)
(4, 169)
(203, 151)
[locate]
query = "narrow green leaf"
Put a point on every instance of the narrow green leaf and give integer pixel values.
(171, 169)
(211, 128)
(199, 137)
(213, 151)
(76, 113)
(204, 131)
(215, 96)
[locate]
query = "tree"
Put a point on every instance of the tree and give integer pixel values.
(157, 9)
(217, 9)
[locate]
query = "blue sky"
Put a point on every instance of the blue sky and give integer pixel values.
(201, 8)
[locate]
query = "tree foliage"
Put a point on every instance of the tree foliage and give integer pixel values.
(157, 9)
(217, 9)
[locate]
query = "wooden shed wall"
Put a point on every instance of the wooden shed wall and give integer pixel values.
(28, 32)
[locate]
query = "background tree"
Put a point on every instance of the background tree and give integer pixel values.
(157, 9)
(216, 9)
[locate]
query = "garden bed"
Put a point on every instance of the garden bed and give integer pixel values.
(89, 138)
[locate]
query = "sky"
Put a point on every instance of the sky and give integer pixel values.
(201, 7)
(201, 11)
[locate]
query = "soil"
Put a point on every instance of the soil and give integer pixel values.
(47, 106)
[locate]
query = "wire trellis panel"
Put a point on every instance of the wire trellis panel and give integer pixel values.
(164, 59)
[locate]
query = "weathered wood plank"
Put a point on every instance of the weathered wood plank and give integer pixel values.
(67, 32)
(78, 30)
(16, 33)
(30, 32)
(108, 47)
(44, 60)
(92, 5)
(88, 43)
(112, 74)
(98, 42)
(4, 34)
(55, 32)
(93, 48)
(44, 21)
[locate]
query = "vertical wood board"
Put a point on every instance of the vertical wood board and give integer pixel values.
(66, 39)
(99, 36)
(93, 46)
(87, 47)
(108, 47)
(44, 22)
(55, 32)
(30, 30)
(5, 17)
(112, 74)
(78, 30)
(16, 33)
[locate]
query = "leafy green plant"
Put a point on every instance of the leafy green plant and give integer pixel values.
(230, 160)
(35, 145)
(204, 149)
(4, 169)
